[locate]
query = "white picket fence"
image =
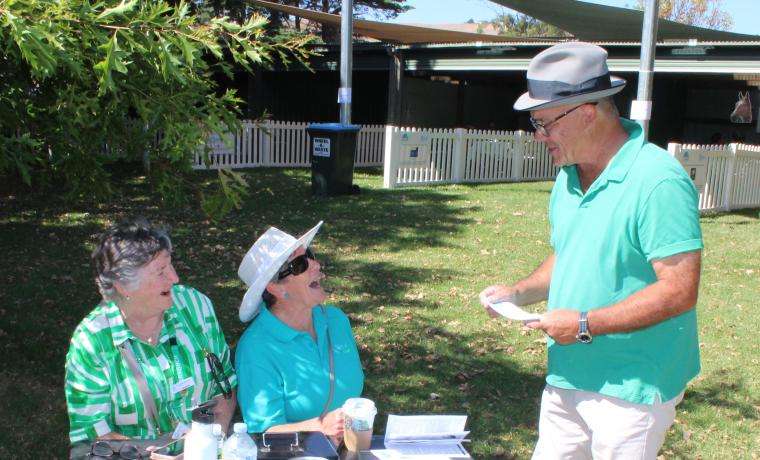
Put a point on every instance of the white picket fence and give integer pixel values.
(415, 156)
(732, 177)
(281, 144)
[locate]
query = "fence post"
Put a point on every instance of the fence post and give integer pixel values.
(459, 156)
(728, 180)
(674, 149)
(266, 143)
(518, 156)
(390, 157)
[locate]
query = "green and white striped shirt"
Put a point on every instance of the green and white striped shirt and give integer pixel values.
(101, 392)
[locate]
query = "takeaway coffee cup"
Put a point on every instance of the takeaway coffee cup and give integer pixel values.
(359, 415)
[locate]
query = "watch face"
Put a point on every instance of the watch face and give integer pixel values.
(584, 337)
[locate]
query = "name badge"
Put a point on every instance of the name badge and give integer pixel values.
(163, 362)
(180, 430)
(183, 384)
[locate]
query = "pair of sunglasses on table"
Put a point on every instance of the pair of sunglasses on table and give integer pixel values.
(296, 266)
(125, 450)
(113, 450)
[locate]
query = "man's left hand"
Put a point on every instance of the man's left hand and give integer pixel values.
(560, 325)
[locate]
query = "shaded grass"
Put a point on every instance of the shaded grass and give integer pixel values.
(406, 265)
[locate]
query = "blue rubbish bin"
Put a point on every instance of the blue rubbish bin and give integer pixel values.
(332, 148)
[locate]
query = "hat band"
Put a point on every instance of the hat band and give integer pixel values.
(549, 90)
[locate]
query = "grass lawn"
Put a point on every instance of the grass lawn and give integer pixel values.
(406, 265)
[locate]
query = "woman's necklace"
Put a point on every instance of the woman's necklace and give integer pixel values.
(151, 336)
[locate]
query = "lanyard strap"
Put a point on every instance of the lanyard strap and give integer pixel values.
(332, 365)
(142, 385)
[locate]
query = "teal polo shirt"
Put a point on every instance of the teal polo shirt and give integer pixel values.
(641, 208)
(283, 374)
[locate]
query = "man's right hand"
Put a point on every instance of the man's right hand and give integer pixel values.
(497, 293)
(332, 423)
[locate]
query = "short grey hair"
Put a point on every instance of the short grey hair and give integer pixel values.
(608, 105)
(123, 250)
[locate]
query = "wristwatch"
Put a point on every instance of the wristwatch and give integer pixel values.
(584, 336)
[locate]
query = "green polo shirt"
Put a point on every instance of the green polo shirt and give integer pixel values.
(101, 392)
(284, 373)
(641, 208)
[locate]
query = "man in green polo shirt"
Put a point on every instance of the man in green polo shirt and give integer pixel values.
(621, 283)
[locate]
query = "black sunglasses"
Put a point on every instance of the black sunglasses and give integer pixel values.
(217, 372)
(103, 449)
(296, 266)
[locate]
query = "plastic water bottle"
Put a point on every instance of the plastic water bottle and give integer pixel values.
(219, 435)
(239, 446)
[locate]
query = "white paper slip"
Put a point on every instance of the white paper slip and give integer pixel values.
(512, 311)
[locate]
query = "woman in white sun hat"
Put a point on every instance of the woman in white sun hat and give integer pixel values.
(297, 362)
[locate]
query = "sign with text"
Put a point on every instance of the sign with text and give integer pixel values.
(415, 149)
(321, 147)
(695, 164)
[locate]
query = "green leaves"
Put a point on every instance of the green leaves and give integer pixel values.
(86, 84)
(113, 60)
(122, 8)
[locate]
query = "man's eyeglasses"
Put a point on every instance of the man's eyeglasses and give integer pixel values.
(542, 127)
(296, 266)
(217, 372)
(104, 450)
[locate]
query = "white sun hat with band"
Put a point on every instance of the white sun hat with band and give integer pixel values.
(569, 73)
(262, 262)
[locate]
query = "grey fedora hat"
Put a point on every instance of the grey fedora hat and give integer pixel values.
(566, 74)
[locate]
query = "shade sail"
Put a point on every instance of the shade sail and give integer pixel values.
(389, 32)
(589, 21)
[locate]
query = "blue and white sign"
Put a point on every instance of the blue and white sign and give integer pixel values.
(321, 147)
(415, 149)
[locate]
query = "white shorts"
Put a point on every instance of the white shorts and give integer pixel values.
(578, 424)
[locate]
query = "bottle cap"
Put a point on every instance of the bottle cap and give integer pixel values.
(204, 413)
(240, 428)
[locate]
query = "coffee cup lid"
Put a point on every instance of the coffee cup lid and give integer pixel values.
(359, 406)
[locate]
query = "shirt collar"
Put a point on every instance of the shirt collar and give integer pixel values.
(285, 333)
(618, 167)
(623, 160)
(120, 332)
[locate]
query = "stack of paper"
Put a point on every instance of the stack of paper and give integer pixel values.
(425, 437)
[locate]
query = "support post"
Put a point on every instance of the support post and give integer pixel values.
(395, 82)
(346, 60)
(641, 108)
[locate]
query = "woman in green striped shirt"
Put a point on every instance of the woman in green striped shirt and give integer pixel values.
(151, 351)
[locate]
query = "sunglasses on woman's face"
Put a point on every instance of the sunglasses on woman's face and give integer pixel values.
(296, 266)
